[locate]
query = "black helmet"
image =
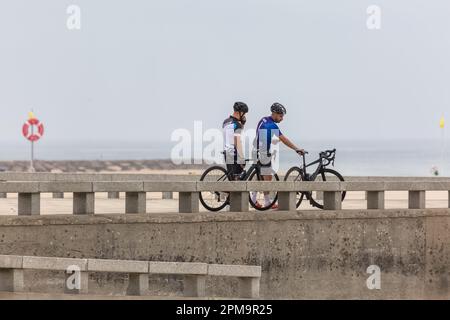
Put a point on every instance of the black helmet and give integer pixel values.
(278, 108)
(240, 107)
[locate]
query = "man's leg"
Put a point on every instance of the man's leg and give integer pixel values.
(267, 200)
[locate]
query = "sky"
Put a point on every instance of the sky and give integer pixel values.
(138, 69)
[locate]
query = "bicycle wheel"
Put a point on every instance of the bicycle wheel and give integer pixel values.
(326, 175)
(257, 198)
(295, 174)
(214, 200)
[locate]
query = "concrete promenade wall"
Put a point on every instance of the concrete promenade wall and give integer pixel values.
(312, 254)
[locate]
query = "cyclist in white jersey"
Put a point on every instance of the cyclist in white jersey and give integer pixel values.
(232, 128)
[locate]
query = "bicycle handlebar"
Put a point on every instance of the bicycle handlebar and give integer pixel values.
(327, 156)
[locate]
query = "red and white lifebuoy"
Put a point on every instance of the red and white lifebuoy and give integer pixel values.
(37, 134)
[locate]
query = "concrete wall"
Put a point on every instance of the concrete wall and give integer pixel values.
(302, 254)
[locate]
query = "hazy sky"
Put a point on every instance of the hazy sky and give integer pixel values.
(137, 70)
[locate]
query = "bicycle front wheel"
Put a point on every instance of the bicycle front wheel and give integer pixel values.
(214, 200)
(295, 174)
(325, 175)
(260, 200)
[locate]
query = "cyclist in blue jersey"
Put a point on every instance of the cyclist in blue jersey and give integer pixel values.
(232, 128)
(266, 130)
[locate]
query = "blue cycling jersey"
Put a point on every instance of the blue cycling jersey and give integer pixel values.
(265, 131)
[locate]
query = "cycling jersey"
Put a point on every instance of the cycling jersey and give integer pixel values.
(231, 128)
(265, 131)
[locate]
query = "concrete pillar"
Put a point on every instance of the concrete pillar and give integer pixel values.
(83, 203)
(194, 286)
(366, 196)
(416, 199)
(135, 202)
(249, 288)
(287, 201)
(375, 199)
(167, 195)
(58, 195)
(11, 280)
(29, 204)
(332, 200)
(188, 202)
(3, 195)
(113, 195)
(449, 199)
(319, 195)
(239, 201)
(83, 283)
(138, 284)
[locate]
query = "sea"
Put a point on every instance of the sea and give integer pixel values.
(353, 157)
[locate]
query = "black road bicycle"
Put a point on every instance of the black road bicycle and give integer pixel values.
(322, 173)
(217, 200)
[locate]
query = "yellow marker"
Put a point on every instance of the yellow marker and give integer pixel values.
(30, 115)
(442, 123)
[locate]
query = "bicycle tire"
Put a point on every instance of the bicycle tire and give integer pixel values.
(299, 172)
(202, 200)
(322, 174)
(275, 199)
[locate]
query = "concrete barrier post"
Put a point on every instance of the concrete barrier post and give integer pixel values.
(319, 195)
(167, 195)
(138, 284)
(449, 199)
(58, 195)
(11, 280)
(188, 202)
(135, 202)
(239, 201)
(249, 288)
(332, 200)
(113, 195)
(3, 195)
(287, 201)
(195, 286)
(29, 204)
(416, 199)
(83, 203)
(375, 200)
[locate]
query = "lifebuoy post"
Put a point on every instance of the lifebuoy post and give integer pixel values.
(32, 130)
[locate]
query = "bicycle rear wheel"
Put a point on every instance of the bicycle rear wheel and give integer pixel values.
(257, 198)
(214, 200)
(326, 175)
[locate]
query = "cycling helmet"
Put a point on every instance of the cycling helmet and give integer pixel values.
(278, 108)
(240, 107)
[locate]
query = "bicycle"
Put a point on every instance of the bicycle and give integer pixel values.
(217, 200)
(322, 173)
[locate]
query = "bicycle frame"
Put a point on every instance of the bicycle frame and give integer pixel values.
(247, 173)
(326, 155)
(316, 172)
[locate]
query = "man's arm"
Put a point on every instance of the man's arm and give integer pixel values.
(289, 144)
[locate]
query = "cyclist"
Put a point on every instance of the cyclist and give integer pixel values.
(268, 128)
(232, 128)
